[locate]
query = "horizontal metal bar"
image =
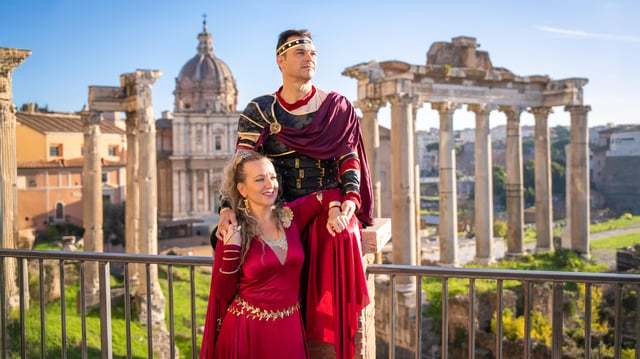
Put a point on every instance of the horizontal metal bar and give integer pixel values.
(520, 275)
(107, 257)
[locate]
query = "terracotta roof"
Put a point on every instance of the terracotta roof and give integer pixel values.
(60, 122)
(67, 163)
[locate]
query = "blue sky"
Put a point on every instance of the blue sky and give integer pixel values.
(77, 44)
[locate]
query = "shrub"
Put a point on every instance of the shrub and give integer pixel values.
(500, 229)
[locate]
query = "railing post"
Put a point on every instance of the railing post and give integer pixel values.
(527, 319)
(21, 288)
(105, 310)
(445, 318)
(587, 320)
(638, 320)
(418, 317)
(499, 319)
(3, 306)
(617, 346)
(472, 318)
(556, 321)
(392, 316)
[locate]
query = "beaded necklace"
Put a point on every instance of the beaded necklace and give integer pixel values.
(280, 243)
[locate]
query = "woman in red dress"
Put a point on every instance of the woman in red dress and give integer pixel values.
(254, 299)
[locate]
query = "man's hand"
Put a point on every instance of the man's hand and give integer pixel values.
(232, 236)
(348, 208)
(227, 219)
(336, 222)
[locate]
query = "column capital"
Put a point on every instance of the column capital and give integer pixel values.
(513, 111)
(481, 108)
(147, 77)
(445, 107)
(369, 104)
(541, 111)
(9, 59)
(401, 99)
(577, 110)
(90, 117)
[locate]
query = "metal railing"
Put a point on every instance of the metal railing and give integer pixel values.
(527, 278)
(103, 260)
(558, 279)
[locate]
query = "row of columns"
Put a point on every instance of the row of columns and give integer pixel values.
(192, 181)
(405, 197)
(141, 202)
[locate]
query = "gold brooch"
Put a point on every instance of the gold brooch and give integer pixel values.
(287, 216)
(275, 128)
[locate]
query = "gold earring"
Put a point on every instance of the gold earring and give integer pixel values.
(244, 206)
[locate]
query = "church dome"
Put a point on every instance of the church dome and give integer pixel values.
(205, 83)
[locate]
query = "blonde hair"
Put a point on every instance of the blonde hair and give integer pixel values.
(233, 174)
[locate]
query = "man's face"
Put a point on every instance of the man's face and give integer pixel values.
(299, 62)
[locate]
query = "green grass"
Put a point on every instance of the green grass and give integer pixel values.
(53, 328)
(614, 242)
(625, 221)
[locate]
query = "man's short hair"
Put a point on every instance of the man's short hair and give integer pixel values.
(289, 33)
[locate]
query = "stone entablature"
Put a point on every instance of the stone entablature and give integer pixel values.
(442, 83)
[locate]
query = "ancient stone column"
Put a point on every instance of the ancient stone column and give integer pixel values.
(416, 172)
(132, 197)
(403, 220)
(9, 59)
(515, 202)
(139, 84)
(371, 138)
(483, 201)
(92, 202)
(544, 209)
(580, 211)
(566, 232)
(448, 193)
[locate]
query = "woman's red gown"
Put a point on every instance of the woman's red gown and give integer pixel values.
(265, 286)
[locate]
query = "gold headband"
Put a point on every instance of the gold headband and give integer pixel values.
(288, 45)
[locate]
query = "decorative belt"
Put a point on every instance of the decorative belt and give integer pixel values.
(241, 307)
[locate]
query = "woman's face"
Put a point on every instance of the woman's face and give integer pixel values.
(260, 186)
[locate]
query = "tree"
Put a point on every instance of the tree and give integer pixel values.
(113, 220)
(529, 181)
(558, 178)
(499, 185)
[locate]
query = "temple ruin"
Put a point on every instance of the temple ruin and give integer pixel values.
(457, 74)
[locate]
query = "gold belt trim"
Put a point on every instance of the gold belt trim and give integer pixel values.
(241, 307)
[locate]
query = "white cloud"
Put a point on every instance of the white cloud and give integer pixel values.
(588, 35)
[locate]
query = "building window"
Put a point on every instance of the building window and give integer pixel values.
(218, 142)
(59, 211)
(113, 151)
(55, 150)
(105, 177)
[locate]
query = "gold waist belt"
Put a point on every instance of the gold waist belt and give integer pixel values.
(241, 307)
